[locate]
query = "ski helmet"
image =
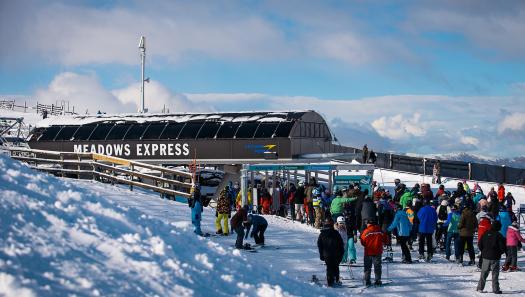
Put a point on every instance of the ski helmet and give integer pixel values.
(340, 220)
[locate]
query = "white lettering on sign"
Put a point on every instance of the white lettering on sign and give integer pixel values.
(141, 149)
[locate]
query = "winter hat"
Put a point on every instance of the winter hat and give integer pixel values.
(444, 203)
(328, 222)
(457, 201)
(340, 220)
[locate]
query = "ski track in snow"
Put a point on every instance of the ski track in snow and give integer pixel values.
(63, 236)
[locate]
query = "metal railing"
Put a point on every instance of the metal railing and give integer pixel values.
(114, 170)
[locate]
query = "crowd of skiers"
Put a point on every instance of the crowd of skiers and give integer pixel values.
(441, 221)
(446, 221)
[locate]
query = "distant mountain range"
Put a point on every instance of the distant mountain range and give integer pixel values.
(518, 162)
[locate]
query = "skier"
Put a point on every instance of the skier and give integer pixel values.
(492, 246)
(337, 206)
(452, 232)
(509, 200)
(365, 153)
(467, 226)
(259, 224)
(373, 157)
(484, 225)
(238, 200)
(427, 225)
(331, 251)
(299, 202)
(291, 201)
(513, 241)
(317, 207)
(504, 218)
(436, 173)
(351, 232)
(223, 211)
(403, 226)
(196, 209)
(442, 213)
(340, 226)
(368, 211)
(237, 222)
(373, 240)
(501, 192)
(386, 216)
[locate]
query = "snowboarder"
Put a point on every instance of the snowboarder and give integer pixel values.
(373, 240)
(427, 225)
(223, 211)
(331, 251)
(259, 227)
(492, 246)
(196, 209)
(237, 222)
(403, 226)
(513, 241)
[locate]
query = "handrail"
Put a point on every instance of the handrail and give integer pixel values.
(107, 167)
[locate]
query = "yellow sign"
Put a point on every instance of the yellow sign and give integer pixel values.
(114, 160)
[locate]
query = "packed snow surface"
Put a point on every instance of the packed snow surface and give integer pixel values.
(68, 237)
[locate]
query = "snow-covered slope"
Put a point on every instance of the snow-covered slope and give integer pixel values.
(60, 237)
(63, 237)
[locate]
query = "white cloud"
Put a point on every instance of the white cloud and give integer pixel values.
(513, 122)
(469, 140)
(399, 127)
(84, 91)
(157, 97)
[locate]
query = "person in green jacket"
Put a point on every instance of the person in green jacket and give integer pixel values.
(407, 196)
(337, 206)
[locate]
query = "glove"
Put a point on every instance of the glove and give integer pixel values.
(216, 214)
(229, 215)
(322, 258)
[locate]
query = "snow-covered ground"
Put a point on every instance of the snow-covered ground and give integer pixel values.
(63, 237)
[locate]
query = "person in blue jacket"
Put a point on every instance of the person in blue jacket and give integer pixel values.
(259, 227)
(403, 226)
(505, 221)
(196, 209)
(427, 225)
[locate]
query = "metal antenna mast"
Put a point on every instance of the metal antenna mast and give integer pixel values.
(142, 48)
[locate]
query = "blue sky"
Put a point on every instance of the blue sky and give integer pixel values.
(218, 55)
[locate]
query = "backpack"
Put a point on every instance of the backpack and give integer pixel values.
(443, 213)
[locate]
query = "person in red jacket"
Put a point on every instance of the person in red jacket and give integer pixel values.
(373, 240)
(484, 225)
(501, 192)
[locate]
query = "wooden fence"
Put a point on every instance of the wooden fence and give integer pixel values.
(114, 170)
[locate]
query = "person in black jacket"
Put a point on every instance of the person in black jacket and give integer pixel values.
(492, 246)
(368, 212)
(331, 251)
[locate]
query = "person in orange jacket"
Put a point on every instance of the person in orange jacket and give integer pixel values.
(501, 192)
(373, 239)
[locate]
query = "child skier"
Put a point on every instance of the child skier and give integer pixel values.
(196, 209)
(513, 239)
(259, 224)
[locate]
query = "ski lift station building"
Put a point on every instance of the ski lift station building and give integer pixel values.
(210, 138)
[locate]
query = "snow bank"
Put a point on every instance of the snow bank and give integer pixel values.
(60, 239)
